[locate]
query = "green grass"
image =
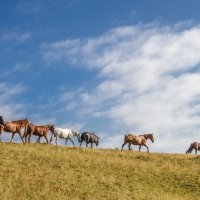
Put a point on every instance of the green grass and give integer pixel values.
(40, 171)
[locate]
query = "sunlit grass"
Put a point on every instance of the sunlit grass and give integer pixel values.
(40, 171)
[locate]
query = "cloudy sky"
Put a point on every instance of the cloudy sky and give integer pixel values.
(112, 67)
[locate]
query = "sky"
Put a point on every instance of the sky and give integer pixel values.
(109, 67)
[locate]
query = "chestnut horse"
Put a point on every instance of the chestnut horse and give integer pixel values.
(137, 140)
(194, 145)
(41, 131)
(13, 127)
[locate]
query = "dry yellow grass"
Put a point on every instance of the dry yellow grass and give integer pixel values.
(40, 171)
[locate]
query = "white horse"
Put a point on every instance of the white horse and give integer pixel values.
(66, 134)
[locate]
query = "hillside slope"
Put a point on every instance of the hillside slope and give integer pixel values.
(40, 171)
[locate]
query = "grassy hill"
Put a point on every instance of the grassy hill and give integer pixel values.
(40, 171)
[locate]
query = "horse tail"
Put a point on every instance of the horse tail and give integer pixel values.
(126, 138)
(25, 130)
(51, 139)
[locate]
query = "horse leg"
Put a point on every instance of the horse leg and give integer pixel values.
(86, 144)
(72, 142)
(196, 150)
(66, 141)
(56, 140)
(91, 145)
(20, 135)
(0, 134)
(38, 140)
(46, 139)
(12, 136)
(146, 147)
(123, 145)
(51, 139)
(29, 136)
(139, 147)
(129, 146)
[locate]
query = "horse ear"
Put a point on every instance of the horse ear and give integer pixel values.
(98, 137)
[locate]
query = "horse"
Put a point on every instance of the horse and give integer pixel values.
(89, 138)
(13, 127)
(40, 131)
(194, 145)
(66, 134)
(137, 140)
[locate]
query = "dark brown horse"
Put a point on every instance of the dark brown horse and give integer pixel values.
(13, 127)
(40, 131)
(137, 140)
(195, 146)
(88, 138)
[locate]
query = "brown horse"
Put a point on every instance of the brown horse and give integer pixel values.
(41, 131)
(137, 140)
(194, 145)
(13, 127)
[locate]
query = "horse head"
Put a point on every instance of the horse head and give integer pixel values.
(150, 136)
(79, 137)
(75, 133)
(96, 139)
(52, 129)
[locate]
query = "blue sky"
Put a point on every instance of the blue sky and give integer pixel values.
(106, 66)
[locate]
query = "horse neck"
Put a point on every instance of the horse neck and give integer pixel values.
(144, 136)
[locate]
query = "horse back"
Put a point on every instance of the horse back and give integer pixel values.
(40, 130)
(128, 137)
(134, 139)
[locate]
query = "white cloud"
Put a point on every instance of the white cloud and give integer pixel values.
(150, 79)
(16, 37)
(19, 67)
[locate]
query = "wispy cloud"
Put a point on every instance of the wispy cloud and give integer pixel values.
(19, 67)
(15, 37)
(150, 81)
(29, 7)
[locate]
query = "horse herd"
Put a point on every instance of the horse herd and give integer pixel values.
(68, 133)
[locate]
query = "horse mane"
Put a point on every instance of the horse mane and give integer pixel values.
(1, 122)
(146, 136)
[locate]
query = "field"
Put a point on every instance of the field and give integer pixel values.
(40, 171)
